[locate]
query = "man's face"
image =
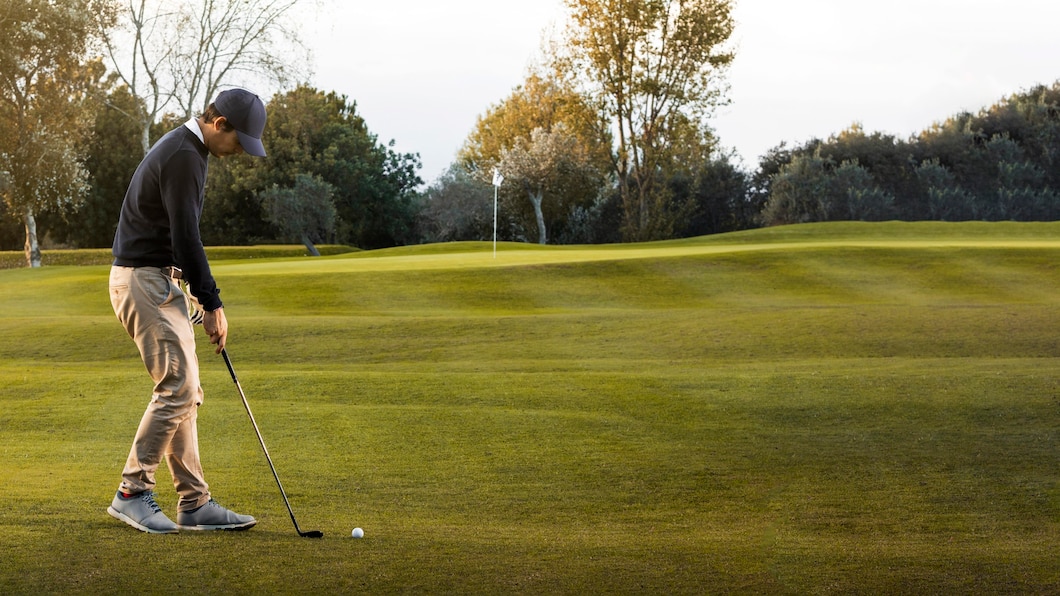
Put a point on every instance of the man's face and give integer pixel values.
(226, 143)
(223, 142)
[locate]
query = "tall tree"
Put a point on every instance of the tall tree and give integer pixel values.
(654, 67)
(176, 55)
(46, 81)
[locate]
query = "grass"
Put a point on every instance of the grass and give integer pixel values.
(852, 408)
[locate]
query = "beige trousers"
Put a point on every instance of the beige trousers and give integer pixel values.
(154, 312)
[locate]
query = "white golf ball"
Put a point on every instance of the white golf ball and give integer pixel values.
(358, 533)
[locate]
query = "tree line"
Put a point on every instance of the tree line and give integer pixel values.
(606, 140)
(327, 178)
(1002, 163)
(999, 164)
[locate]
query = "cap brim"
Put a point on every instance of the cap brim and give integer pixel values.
(251, 145)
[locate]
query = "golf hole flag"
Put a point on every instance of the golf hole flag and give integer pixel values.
(497, 179)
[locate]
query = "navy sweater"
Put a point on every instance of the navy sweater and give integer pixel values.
(159, 224)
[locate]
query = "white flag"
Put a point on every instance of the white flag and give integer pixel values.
(497, 178)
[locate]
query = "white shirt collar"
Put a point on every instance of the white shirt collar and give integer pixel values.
(193, 126)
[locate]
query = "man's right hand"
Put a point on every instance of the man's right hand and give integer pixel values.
(216, 326)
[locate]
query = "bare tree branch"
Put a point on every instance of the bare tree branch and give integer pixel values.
(177, 55)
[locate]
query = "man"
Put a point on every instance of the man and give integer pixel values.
(156, 244)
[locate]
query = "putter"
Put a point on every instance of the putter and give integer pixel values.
(232, 371)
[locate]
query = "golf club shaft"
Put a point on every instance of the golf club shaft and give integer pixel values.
(257, 431)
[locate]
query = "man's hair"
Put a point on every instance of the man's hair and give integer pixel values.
(212, 114)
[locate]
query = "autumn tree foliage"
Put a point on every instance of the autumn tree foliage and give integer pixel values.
(655, 69)
(552, 146)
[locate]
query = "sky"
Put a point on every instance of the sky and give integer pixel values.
(422, 71)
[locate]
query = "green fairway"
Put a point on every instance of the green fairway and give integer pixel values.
(830, 408)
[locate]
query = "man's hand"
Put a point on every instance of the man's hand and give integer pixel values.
(216, 326)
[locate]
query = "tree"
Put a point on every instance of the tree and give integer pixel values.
(179, 53)
(1021, 192)
(857, 195)
(941, 194)
(653, 67)
(305, 211)
(458, 206)
(761, 182)
(45, 88)
(542, 103)
(885, 158)
(112, 153)
(12, 230)
(720, 194)
(800, 192)
(549, 163)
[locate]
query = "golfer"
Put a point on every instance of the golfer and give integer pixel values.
(156, 244)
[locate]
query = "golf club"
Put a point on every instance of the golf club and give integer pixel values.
(232, 371)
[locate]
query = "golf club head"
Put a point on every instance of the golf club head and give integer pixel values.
(311, 534)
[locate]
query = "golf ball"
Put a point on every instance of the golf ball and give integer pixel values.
(358, 533)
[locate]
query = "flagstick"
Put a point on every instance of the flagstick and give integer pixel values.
(497, 181)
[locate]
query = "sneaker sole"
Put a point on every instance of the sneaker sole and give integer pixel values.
(121, 516)
(228, 527)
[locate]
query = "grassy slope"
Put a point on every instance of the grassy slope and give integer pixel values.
(845, 407)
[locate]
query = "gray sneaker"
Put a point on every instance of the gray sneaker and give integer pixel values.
(141, 512)
(212, 516)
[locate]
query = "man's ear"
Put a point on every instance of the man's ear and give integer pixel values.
(219, 123)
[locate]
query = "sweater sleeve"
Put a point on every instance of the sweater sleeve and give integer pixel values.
(182, 188)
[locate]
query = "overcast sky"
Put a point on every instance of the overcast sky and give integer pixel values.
(421, 71)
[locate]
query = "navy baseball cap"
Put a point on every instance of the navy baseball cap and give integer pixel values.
(246, 112)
